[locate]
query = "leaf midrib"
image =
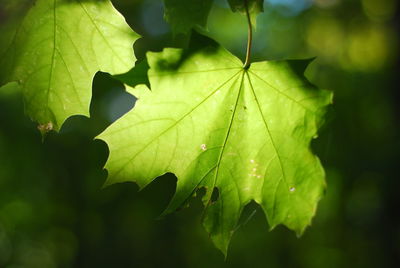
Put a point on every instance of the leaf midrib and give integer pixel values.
(52, 57)
(227, 135)
(175, 123)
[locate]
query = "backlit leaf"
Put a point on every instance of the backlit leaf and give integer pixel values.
(246, 132)
(56, 49)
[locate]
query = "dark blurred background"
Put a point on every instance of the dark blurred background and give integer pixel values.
(54, 212)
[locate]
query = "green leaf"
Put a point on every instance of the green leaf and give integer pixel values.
(254, 6)
(216, 125)
(183, 15)
(55, 51)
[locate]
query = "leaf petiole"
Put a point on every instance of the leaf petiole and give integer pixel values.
(249, 36)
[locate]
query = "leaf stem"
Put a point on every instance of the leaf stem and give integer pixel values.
(249, 36)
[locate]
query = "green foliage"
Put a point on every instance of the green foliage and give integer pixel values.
(254, 7)
(56, 49)
(216, 125)
(184, 15)
(243, 134)
(53, 212)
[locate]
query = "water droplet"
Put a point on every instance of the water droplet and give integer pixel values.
(203, 147)
(252, 161)
(292, 189)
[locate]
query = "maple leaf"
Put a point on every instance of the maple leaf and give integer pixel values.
(215, 124)
(55, 49)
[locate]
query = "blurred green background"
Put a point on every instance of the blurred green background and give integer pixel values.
(54, 212)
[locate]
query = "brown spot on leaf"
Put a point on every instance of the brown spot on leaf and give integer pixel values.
(44, 128)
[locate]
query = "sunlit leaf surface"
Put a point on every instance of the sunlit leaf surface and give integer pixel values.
(216, 125)
(57, 48)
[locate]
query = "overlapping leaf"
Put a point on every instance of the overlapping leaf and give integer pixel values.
(184, 15)
(254, 7)
(216, 125)
(55, 50)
